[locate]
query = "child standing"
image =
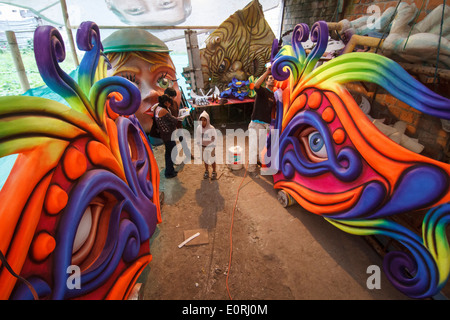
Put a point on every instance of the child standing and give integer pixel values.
(206, 138)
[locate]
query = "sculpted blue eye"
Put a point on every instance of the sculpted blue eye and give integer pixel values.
(317, 145)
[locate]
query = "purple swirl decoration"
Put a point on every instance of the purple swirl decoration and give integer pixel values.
(88, 39)
(138, 168)
(415, 274)
(299, 35)
(125, 233)
(292, 60)
(319, 35)
(131, 96)
(49, 50)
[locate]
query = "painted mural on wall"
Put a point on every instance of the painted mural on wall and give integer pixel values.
(83, 193)
(337, 164)
(238, 49)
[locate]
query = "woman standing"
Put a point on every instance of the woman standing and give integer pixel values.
(167, 124)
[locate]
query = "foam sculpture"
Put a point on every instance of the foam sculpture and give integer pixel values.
(335, 163)
(405, 39)
(238, 48)
(83, 192)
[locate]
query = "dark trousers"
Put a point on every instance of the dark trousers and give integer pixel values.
(170, 171)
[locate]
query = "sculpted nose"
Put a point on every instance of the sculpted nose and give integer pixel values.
(236, 66)
(147, 91)
(237, 72)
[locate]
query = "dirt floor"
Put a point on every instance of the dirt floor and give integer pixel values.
(277, 253)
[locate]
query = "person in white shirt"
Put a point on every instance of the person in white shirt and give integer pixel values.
(206, 137)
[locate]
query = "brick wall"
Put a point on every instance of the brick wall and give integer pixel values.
(307, 11)
(426, 128)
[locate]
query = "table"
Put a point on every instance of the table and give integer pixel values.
(230, 102)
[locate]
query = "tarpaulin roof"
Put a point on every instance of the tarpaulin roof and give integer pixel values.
(110, 13)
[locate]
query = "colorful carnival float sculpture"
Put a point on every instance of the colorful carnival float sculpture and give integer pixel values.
(82, 195)
(335, 163)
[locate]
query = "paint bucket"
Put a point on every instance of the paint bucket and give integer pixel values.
(235, 158)
(285, 199)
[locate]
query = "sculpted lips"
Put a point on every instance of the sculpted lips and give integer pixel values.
(325, 203)
(149, 111)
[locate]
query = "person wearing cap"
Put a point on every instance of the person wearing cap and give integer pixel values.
(142, 58)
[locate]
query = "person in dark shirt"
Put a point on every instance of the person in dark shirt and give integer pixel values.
(175, 109)
(167, 124)
(260, 118)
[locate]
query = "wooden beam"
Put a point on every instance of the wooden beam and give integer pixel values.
(69, 32)
(157, 27)
(17, 58)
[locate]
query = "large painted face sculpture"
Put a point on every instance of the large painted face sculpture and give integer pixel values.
(143, 59)
(337, 164)
(81, 202)
(239, 48)
(150, 12)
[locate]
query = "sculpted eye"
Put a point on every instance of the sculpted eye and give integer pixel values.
(164, 82)
(317, 145)
(88, 234)
(135, 11)
(224, 65)
(313, 144)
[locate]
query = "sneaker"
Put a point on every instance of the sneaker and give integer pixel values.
(206, 175)
(214, 175)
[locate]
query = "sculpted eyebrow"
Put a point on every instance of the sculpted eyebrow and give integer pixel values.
(126, 69)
